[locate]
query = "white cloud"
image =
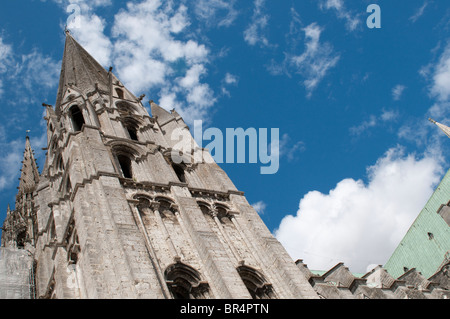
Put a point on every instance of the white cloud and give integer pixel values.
(11, 162)
(385, 117)
(88, 30)
(5, 60)
(24, 73)
(388, 115)
(230, 78)
(290, 149)
(415, 131)
(152, 49)
(85, 5)
(5, 56)
(441, 77)
(397, 92)
(317, 59)
(219, 12)
(361, 224)
(364, 126)
(149, 50)
(260, 207)
(419, 12)
(37, 70)
(437, 73)
(352, 21)
(254, 33)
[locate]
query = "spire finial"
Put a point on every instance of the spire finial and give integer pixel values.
(443, 127)
(27, 131)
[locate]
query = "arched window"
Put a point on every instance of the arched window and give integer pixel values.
(21, 239)
(184, 282)
(166, 210)
(77, 118)
(119, 93)
(68, 185)
(180, 172)
(126, 108)
(255, 283)
(125, 166)
(60, 164)
(132, 132)
(131, 126)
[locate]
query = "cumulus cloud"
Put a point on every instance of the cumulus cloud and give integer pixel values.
(254, 34)
(152, 48)
(361, 223)
(150, 52)
(317, 59)
(88, 30)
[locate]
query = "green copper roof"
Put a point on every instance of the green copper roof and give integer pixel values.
(427, 242)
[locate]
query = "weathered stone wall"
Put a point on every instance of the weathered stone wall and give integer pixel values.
(16, 274)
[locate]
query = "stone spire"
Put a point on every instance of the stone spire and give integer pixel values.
(162, 115)
(18, 225)
(80, 71)
(29, 177)
(443, 127)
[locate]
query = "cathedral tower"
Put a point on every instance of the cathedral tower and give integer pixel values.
(117, 217)
(19, 228)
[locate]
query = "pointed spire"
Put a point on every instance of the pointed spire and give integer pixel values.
(30, 174)
(80, 71)
(443, 127)
(161, 114)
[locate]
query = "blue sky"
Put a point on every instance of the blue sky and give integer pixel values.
(358, 157)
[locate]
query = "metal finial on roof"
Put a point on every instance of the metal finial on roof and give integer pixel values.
(443, 127)
(27, 131)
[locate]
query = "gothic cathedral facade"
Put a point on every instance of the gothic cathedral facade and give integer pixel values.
(112, 215)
